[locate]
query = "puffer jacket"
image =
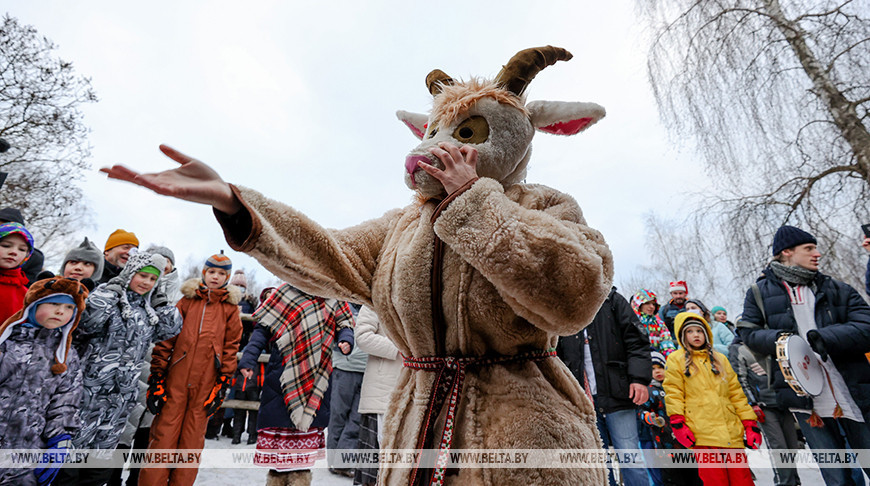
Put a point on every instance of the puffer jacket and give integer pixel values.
(843, 321)
(714, 405)
(722, 337)
(383, 366)
(115, 333)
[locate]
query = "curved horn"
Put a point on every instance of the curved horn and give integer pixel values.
(436, 80)
(516, 75)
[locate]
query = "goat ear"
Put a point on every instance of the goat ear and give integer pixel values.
(563, 117)
(416, 122)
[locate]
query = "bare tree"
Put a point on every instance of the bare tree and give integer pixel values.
(40, 117)
(776, 97)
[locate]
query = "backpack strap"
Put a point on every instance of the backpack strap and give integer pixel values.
(758, 300)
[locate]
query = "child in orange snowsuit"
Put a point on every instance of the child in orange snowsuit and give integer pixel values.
(191, 373)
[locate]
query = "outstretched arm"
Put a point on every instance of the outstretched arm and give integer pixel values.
(323, 262)
(192, 181)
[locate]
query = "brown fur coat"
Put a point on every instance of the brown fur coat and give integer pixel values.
(521, 267)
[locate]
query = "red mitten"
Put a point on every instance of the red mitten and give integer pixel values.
(682, 432)
(753, 434)
(758, 413)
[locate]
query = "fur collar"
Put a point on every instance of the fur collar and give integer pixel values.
(188, 289)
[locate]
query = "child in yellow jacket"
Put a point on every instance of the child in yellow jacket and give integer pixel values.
(705, 403)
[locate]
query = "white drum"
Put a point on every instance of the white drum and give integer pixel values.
(802, 370)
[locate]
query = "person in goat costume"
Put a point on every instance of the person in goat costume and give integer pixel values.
(474, 281)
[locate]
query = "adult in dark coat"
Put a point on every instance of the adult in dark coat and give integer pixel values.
(33, 265)
(620, 358)
(839, 331)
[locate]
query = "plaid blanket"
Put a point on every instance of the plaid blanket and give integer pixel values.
(303, 327)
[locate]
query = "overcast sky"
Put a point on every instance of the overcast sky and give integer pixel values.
(298, 100)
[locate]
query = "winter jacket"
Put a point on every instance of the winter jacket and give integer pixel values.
(753, 379)
(115, 333)
(714, 405)
(722, 337)
(36, 404)
(620, 354)
(208, 342)
(384, 364)
(843, 320)
(668, 312)
(13, 286)
(40, 376)
(662, 436)
(272, 411)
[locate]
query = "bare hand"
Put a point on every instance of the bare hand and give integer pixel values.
(344, 346)
(460, 165)
(638, 393)
(247, 373)
(866, 244)
(193, 181)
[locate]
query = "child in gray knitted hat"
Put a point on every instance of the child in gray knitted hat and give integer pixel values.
(83, 261)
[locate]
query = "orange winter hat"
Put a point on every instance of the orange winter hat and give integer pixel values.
(121, 237)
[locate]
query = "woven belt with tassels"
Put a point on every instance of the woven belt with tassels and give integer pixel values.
(450, 374)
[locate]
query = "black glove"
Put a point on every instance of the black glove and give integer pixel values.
(156, 396)
(818, 344)
(217, 395)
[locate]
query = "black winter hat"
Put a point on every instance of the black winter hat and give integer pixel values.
(12, 215)
(790, 237)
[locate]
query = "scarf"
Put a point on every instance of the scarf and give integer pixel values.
(794, 275)
(303, 328)
(659, 336)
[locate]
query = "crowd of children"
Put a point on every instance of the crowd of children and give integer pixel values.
(72, 352)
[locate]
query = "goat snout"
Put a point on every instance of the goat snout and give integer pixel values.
(411, 162)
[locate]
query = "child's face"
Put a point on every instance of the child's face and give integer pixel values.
(696, 337)
(658, 373)
(13, 251)
(721, 316)
(648, 308)
(53, 315)
(215, 278)
(143, 282)
(78, 270)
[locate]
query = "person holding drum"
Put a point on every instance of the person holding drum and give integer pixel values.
(706, 405)
(810, 332)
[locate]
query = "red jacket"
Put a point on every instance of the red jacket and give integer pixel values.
(13, 286)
